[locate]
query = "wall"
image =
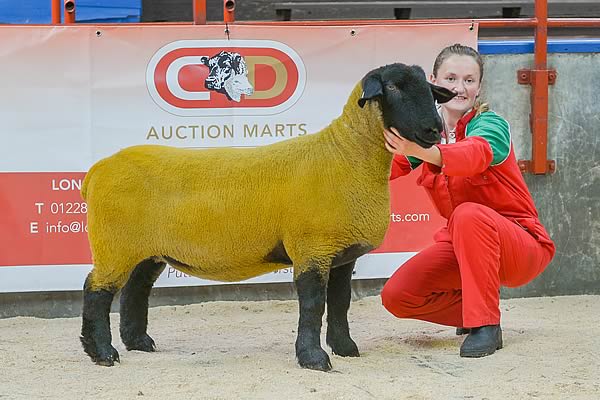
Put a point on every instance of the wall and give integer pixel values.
(569, 200)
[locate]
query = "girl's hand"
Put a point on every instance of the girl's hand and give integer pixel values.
(396, 144)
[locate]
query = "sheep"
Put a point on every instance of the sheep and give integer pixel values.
(315, 203)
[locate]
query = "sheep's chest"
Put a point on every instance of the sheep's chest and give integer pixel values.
(377, 231)
(372, 219)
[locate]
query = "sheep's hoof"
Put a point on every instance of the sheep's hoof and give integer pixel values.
(142, 343)
(315, 359)
(343, 346)
(89, 346)
(108, 359)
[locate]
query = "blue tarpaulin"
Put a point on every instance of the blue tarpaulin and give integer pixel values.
(39, 12)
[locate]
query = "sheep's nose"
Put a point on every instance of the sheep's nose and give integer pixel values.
(430, 136)
(433, 135)
(434, 132)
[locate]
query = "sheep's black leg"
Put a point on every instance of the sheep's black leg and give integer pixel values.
(134, 305)
(339, 292)
(95, 329)
(311, 286)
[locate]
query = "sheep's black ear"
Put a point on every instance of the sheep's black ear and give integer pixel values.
(440, 94)
(372, 87)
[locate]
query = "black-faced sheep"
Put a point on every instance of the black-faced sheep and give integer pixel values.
(316, 202)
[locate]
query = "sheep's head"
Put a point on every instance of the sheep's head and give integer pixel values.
(407, 101)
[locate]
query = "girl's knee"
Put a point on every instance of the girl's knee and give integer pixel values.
(470, 215)
(396, 300)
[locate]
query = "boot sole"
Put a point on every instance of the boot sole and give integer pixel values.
(479, 354)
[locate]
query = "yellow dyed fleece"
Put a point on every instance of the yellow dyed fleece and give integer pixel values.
(221, 211)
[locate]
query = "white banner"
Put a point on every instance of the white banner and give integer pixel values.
(74, 94)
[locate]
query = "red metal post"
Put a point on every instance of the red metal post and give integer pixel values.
(539, 92)
(228, 10)
(55, 5)
(539, 77)
(69, 6)
(199, 12)
(574, 22)
(483, 23)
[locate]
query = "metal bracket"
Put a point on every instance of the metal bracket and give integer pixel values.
(527, 166)
(524, 76)
(539, 80)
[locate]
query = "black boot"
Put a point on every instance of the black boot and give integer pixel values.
(462, 331)
(482, 341)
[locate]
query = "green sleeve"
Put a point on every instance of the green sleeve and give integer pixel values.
(495, 130)
(414, 162)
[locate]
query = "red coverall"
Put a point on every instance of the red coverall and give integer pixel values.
(493, 236)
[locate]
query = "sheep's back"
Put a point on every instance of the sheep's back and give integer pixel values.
(212, 207)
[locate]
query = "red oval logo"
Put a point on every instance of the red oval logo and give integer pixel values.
(216, 77)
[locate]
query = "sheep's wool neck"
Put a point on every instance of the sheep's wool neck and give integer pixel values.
(357, 134)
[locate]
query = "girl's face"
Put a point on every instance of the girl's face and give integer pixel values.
(461, 75)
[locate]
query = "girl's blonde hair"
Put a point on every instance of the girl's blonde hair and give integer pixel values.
(461, 50)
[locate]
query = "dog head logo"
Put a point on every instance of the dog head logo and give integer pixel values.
(228, 75)
(233, 77)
